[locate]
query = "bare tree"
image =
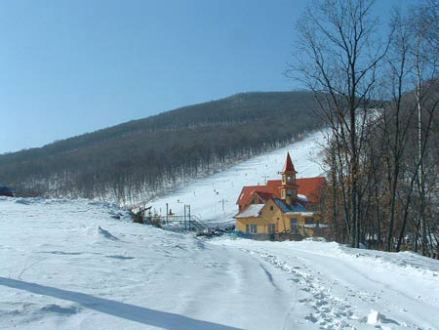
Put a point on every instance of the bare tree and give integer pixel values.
(396, 122)
(425, 55)
(339, 54)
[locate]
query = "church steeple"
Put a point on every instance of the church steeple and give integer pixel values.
(289, 186)
(289, 167)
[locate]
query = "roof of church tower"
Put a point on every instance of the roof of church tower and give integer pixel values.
(289, 167)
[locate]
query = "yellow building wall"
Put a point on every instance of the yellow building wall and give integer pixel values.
(271, 214)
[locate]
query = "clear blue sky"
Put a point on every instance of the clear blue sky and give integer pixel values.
(73, 66)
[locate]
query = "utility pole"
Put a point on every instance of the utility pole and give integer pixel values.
(184, 216)
(223, 201)
(187, 215)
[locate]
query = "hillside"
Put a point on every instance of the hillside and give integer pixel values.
(71, 265)
(144, 157)
(80, 264)
(213, 199)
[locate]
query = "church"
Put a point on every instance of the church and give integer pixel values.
(282, 209)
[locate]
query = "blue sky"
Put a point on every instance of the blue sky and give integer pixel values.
(70, 67)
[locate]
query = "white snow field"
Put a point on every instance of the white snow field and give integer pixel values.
(72, 265)
(213, 199)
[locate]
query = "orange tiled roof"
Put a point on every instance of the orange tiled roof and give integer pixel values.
(310, 187)
(264, 196)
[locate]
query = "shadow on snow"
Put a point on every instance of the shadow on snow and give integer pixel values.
(130, 312)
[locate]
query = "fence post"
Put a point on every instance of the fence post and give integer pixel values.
(189, 215)
(184, 216)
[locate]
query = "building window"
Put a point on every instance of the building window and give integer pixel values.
(271, 208)
(309, 221)
(251, 229)
(271, 228)
(294, 225)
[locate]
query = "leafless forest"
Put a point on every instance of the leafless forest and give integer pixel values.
(139, 159)
(383, 156)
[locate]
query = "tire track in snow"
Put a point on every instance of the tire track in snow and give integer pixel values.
(329, 312)
(269, 277)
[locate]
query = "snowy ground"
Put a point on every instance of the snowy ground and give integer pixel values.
(213, 199)
(72, 265)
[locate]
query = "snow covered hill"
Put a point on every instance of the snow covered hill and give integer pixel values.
(213, 199)
(74, 265)
(83, 265)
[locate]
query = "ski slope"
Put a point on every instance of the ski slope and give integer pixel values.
(213, 199)
(79, 264)
(73, 265)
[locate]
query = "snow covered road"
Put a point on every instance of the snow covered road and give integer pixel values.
(348, 287)
(72, 265)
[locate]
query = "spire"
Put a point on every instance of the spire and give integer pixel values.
(289, 167)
